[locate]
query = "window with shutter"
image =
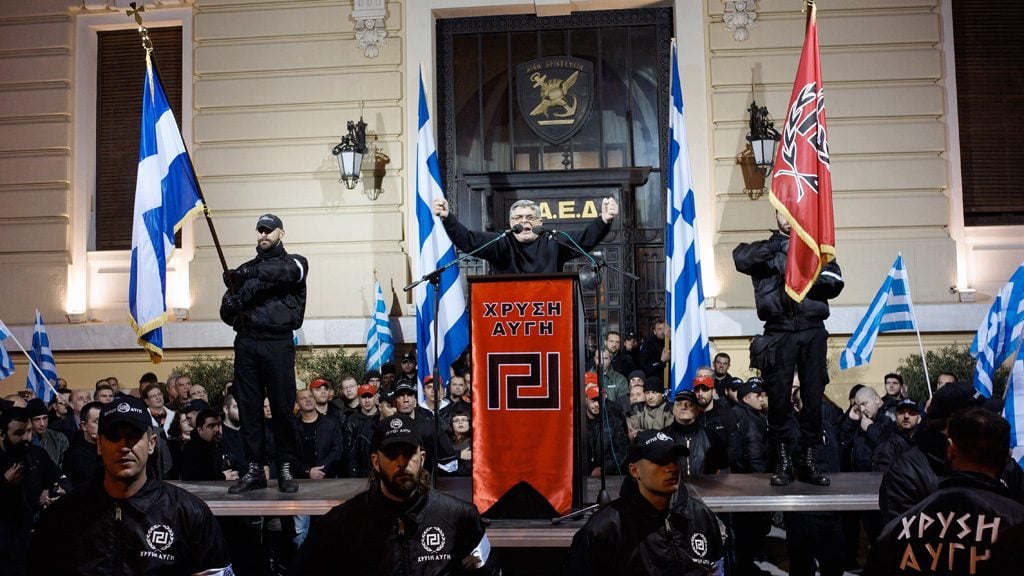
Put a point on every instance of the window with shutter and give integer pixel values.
(121, 68)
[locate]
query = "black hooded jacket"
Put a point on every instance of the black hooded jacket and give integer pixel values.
(273, 297)
(765, 262)
(969, 525)
(429, 534)
(629, 536)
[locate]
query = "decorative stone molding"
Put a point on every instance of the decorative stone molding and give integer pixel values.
(740, 16)
(370, 32)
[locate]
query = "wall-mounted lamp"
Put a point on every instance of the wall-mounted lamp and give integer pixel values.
(349, 153)
(75, 317)
(181, 314)
(763, 138)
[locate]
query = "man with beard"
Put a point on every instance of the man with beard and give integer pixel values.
(202, 457)
(398, 525)
(231, 444)
(125, 520)
(908, 418)
(714, 414)
(653, 527)
(528, 249)
(26, 475)
(265, 303)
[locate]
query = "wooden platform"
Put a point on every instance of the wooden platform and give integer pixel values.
(722, 493)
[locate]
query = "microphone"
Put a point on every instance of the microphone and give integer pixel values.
(517, 228)
(539, 231)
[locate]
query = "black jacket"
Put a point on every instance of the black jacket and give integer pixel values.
(629, 536)
(765, 262)
(329, 445)
(81, 462)
(707, 454)
(861, 444)
(915, 475)
(969, 526)
(429, 534)
(510, 256)
(162, 529)
(273, 297)
(358, 437)
(748, 445)
(889, 449)
(615, 445)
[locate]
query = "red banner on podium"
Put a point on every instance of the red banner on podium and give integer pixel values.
(522, 341)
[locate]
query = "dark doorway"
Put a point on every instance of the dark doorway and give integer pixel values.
(490, 156)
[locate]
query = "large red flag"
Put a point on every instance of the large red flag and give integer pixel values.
(802, 185)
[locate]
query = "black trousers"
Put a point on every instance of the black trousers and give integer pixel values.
(815, 543)
(265, 368)
(802, 353)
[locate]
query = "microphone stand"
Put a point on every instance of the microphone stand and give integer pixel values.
(434, 277)
(603, 499)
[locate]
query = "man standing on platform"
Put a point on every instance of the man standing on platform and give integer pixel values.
(530, 249)
(644, 531)
(399, 525)
(265, 302)
(797, 344)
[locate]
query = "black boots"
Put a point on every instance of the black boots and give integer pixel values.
(253, 479)
(285, 481)
(783, 466)
(807, 469)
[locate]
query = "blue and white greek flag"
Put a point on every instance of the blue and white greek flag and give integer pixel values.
(999, 335)
(684, 291)
(6, 364)
(1013, 409)
(379, 346)
(166, 193)
(890, 310)
(435, 250)
(43, 358)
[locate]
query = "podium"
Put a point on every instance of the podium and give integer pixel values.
(527, 363)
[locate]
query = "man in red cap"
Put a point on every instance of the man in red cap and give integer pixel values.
(321, 390)
(359, 433)
(615, 440)
(714, 415)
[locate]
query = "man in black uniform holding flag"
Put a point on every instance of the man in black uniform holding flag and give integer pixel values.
(265, 302)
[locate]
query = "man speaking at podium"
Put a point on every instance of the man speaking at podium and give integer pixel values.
(527, 246)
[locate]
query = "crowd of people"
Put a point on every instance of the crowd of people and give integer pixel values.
(52, 450)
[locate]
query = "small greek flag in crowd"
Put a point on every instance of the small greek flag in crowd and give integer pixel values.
(6, 364)
(890, 310)
(380, 347)
(999, 335)
(43, 358)
(435, 250)
(166, 193)
(684, 292)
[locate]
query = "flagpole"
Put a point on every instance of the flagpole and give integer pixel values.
(30, 360)
(147, 44)
(917, 330)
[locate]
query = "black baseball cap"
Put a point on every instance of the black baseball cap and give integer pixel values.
(409, 357)
(686, 395)
(397, 429)
(404, 386)
(630, 335)
(370, 375)
(653, 445)
(952, 398)
(751, 386)
(908, 404)
(653, 384)
(735, 383)
(125, 410)
(270, 222)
